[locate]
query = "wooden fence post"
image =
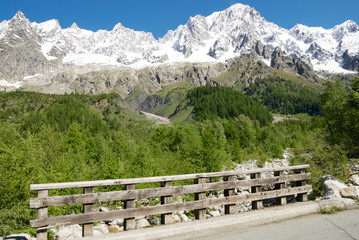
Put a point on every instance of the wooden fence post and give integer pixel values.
(166, 218)
(130, 223)
(42, 213)
(301, 197)
(256, 189)
(230, 208)
(200, 213)
(280, 200)
(87, 228)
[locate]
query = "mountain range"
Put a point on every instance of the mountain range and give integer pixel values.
(45, 57)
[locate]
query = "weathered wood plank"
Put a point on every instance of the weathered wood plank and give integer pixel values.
(280, 200)
(48, 186)
(229, 208)
(41, 234)
(200, 213)
(257, 204)
(87, 228)
(302, 197)
(130, 221)
(135, 212)
(166, 218)
(153, 192)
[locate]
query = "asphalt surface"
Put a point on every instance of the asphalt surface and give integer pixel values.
(339, 226)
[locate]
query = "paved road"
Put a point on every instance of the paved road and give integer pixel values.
(340, 226)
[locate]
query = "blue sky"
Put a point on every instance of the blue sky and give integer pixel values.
(159, 16)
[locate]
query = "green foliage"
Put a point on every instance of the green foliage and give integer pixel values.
(213, 102)
(51, 138)
(331, 210)
(62, 113)
(341, 111)
(16, 217)
(284, 96)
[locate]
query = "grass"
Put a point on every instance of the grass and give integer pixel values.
(168, 89)
(332, 210)
(182, 116)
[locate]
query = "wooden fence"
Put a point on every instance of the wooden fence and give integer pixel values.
(295, 175)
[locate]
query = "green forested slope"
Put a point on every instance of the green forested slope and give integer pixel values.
(62, 138)
(224, 102)
(285, 96)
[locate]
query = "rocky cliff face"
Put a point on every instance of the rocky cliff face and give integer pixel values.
(20, 51)
(125, 81)
(350, 62)
(29, 50)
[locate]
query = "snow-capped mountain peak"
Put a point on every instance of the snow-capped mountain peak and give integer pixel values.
(19, 16)
(49, 27)
(220, 36)
(19, 21)
(74, 26)
(348, 26)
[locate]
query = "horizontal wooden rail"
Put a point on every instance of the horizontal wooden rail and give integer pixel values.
(278, 187)
(175, 207)
(153, 192)
(49, 186)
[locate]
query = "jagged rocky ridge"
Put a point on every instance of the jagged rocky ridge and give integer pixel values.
(29, 49)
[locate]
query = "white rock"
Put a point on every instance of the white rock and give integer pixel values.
(118, 222)
(216, 208)
(102, 228)
(331, 189)
(97, 233)
(103, 209)
(76, 231)
(214, 213)
(63, 234)
(336, 202)
(180, 213)
(350, 192)
(178, 199)
(184, 218)
(142, 223)
(176, 218)
(355, 180)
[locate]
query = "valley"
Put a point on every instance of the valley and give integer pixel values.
(215, 92)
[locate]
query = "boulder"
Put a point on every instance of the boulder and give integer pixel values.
(101, 228)
(118, 222)
(103, 209)
(338, 202)
(176, 218)
(331, 189)
(142, 223)
(215, 213)
(355, 180)
(154, 220)
(63, 234)
(73, 231)
(97, 233)
(114, 228)
(350, 192)
(326, 177)
(76, 231)
(184, 218)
